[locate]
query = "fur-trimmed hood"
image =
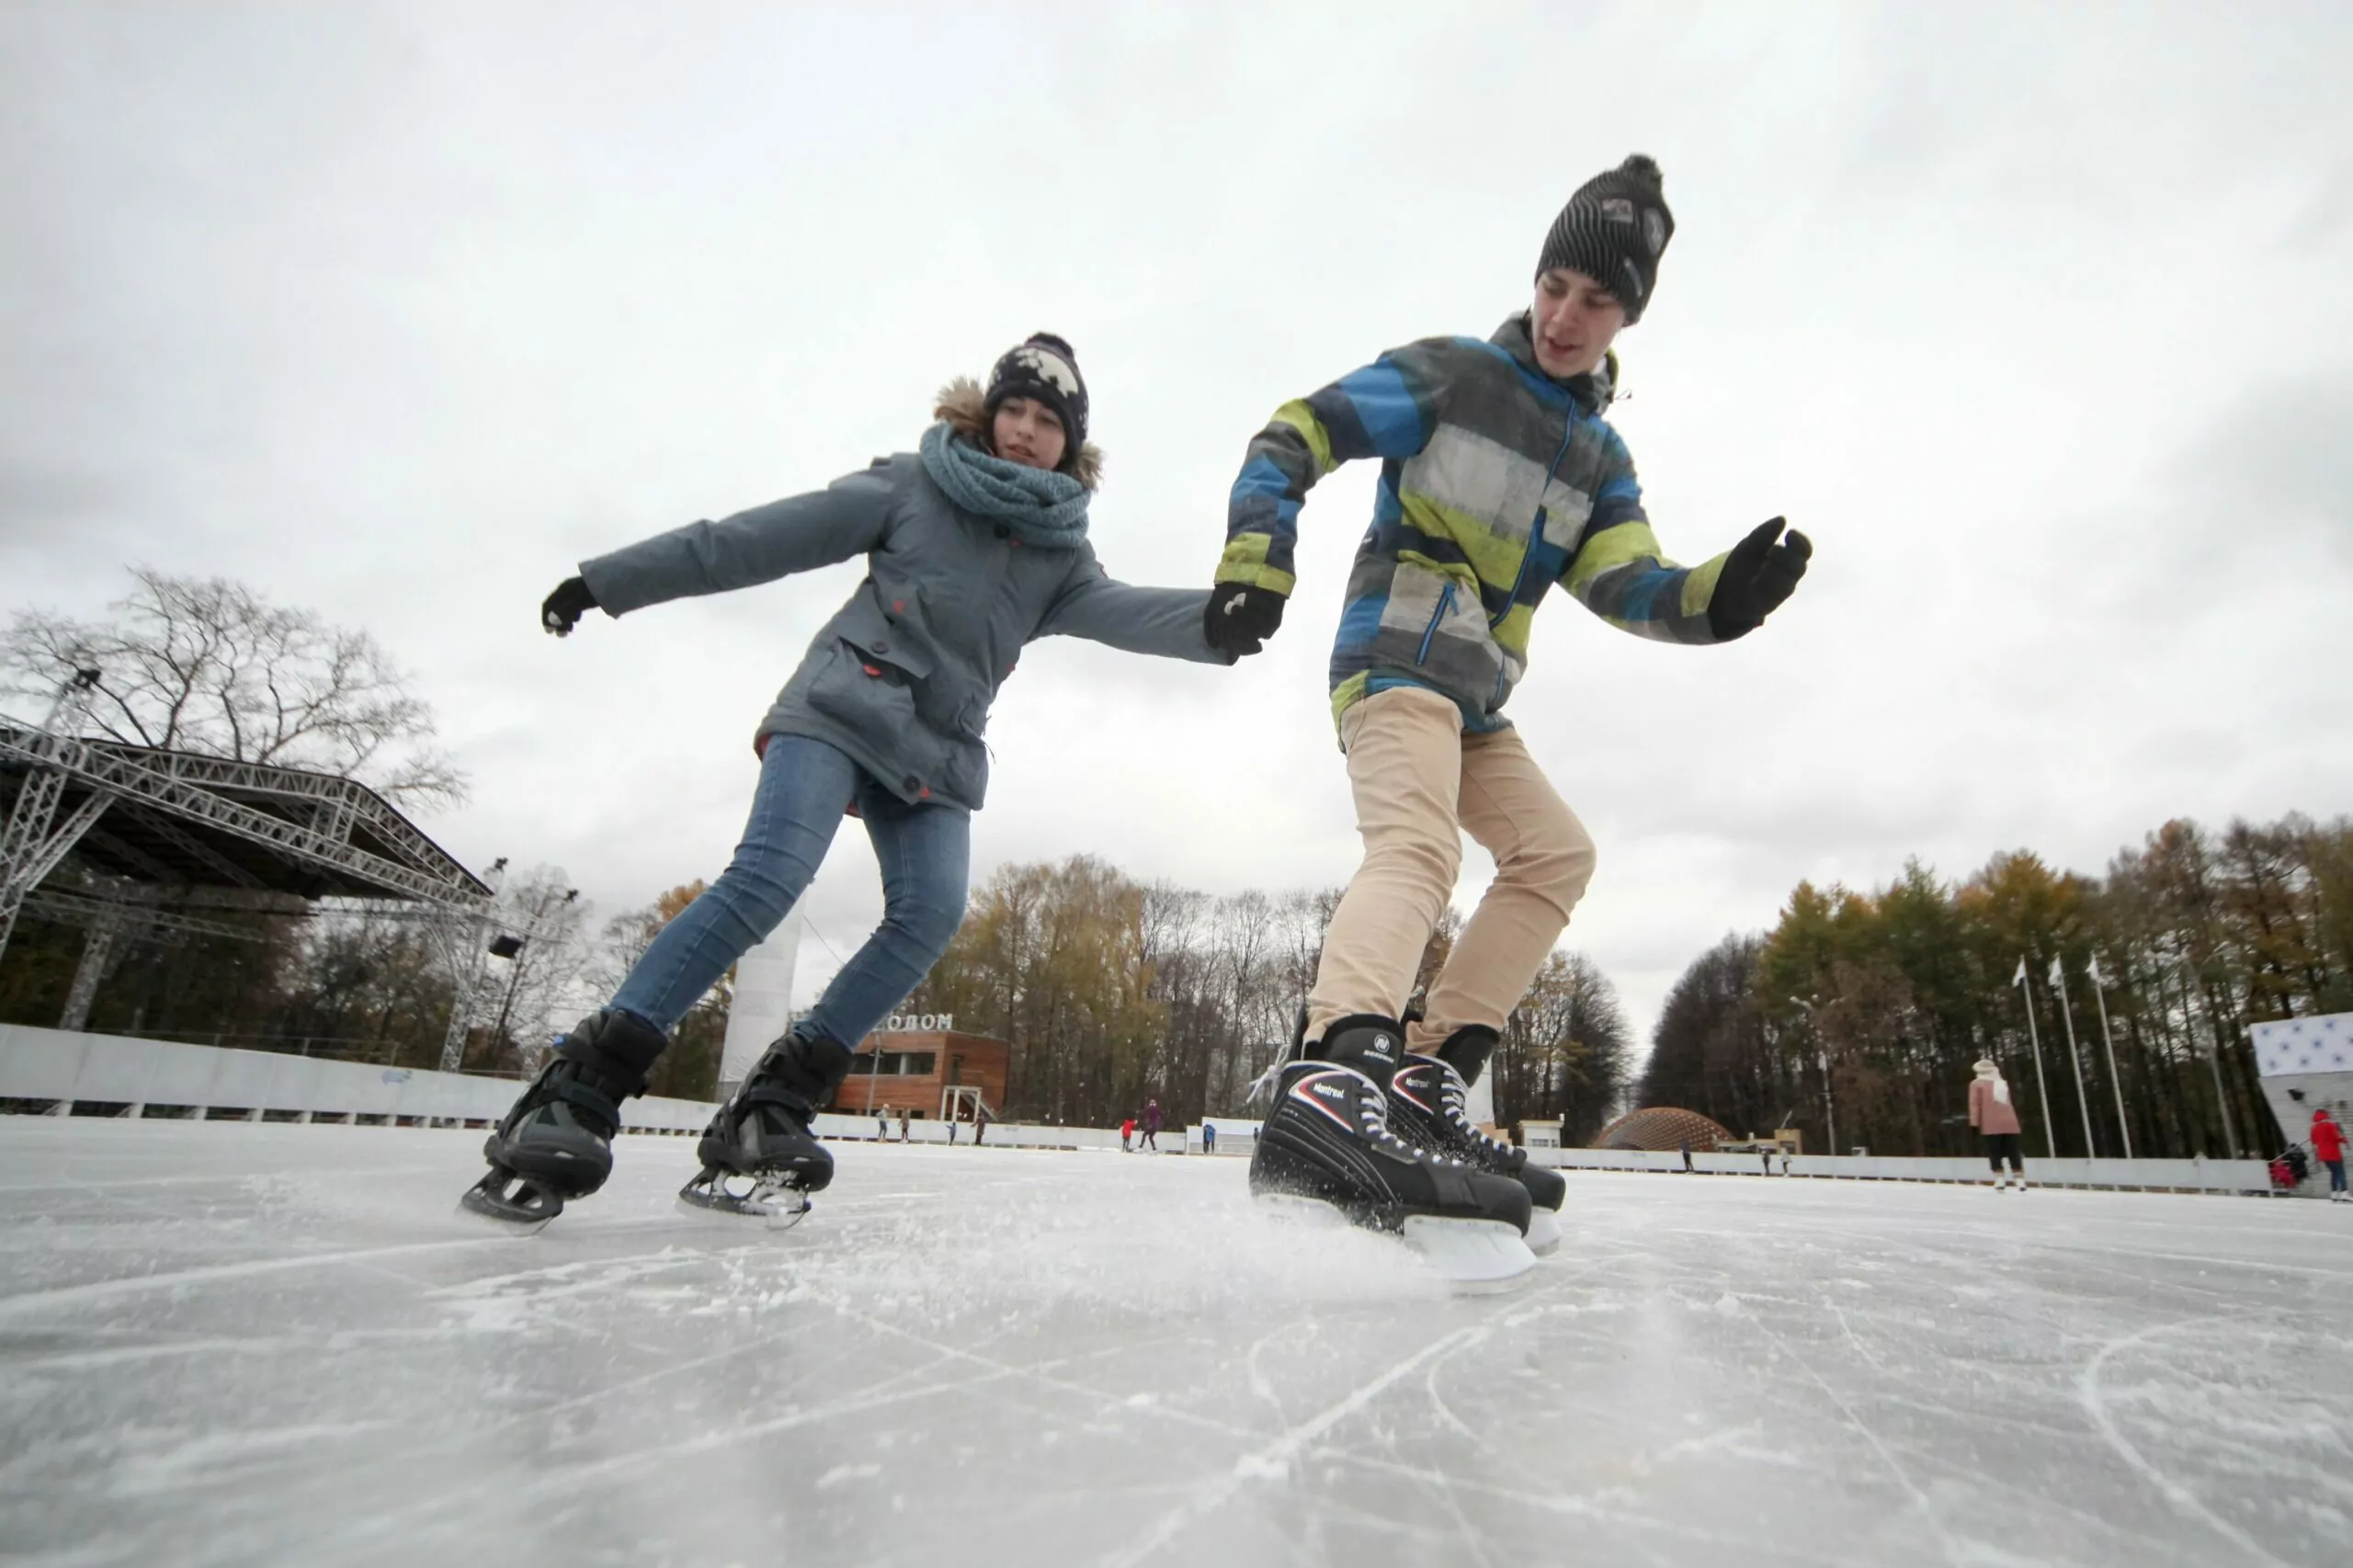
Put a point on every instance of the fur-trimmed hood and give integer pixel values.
(963, 405)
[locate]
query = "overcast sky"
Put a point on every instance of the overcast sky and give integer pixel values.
(2035, 318)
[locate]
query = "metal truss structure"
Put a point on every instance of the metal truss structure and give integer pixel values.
(159, 834)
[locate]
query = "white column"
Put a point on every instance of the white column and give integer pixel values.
(762, 1008)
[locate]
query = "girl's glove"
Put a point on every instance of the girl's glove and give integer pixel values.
(563, 609)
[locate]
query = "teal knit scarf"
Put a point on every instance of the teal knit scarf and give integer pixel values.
(1043, 507)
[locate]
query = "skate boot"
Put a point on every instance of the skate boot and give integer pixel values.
(761, 1142)
(1327, 1149)
(556, 1143)
(1426, 1107)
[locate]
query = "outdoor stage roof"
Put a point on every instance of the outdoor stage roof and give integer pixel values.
(177, 818)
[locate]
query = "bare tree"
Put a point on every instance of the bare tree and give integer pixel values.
(689, 1068)
(542, 981)
(208, 665)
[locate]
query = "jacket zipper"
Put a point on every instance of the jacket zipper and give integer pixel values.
(1536, 529)
(1445, 602)
(1535, 532)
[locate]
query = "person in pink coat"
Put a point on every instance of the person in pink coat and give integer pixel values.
(1991, 1112)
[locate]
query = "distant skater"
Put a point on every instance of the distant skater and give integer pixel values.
(1128, 1135)
(1991, 1112)
(2328, 1146)
(1209, 1137)
(1152, 1125)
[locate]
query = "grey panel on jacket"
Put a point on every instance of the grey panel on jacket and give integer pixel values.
(903, 676)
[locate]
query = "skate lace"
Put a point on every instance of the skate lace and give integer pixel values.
(1372, 1111)
(1263, 1085)
(1454, 1097)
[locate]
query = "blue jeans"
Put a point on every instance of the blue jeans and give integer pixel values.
(806, 787)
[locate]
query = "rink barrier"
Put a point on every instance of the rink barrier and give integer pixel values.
(2223, 1176)
(849, 1127)
(61, 1073)
(154, 1077)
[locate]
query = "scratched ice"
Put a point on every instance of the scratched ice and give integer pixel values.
(232, 1343)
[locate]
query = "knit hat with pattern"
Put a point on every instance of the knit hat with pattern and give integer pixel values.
(1614, 230)
(1045, 367)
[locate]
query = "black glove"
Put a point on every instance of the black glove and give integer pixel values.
(1241, 617)
(1758, 576)
(564, 608)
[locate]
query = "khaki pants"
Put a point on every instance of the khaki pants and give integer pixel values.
(1420, 780)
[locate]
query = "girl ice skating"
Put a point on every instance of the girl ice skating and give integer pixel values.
(976, 545)
(1993, 1114)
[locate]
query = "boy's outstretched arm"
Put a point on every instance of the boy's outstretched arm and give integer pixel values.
(1386, 410)
(1620, 574)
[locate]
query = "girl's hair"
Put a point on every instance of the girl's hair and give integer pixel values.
(964, 406)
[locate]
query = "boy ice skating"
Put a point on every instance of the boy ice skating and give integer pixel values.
(976, 545)
(1500, 479)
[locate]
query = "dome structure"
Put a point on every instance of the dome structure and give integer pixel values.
(1662, 1127)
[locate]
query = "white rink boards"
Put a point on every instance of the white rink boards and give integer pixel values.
(275, 1344)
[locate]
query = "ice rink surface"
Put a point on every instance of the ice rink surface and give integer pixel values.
(234, 1344)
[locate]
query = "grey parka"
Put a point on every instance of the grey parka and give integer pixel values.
(901, 677)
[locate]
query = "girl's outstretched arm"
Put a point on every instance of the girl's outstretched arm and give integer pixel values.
(1165, 622)
(846, 518)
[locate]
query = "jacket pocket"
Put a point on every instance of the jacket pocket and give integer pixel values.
(863, 626)
(967, 771)
(871, 698)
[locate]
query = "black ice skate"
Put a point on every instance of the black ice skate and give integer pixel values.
(556, 1143)
(760, 1161)
(1327, 1149)
(1427, 1098)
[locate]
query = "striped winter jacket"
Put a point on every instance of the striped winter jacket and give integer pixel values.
(1497, 483)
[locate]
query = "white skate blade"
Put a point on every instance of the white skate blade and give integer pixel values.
(1470, 1252)
(1543, 1231)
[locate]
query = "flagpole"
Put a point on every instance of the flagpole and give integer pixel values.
(2067, 1017)
(2100, 994)
(2034, 1036)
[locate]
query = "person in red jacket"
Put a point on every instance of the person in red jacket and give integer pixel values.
(2328, 1142)
(1991, 1112)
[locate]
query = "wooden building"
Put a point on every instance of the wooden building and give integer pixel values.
(928, 1073)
